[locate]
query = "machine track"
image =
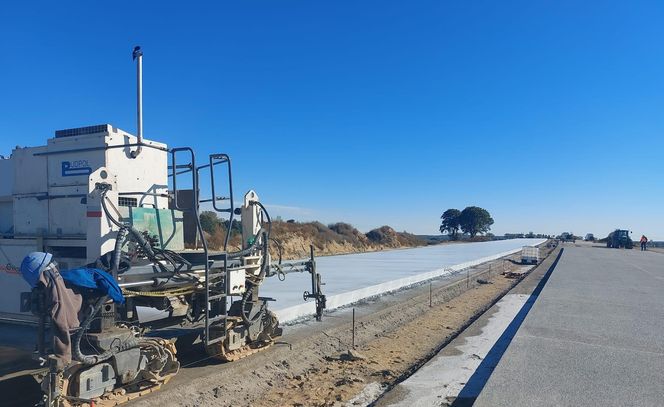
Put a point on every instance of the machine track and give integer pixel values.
(220, 352)
(118, 396)
(123, 394)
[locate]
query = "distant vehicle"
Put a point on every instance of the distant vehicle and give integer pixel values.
(589, 237)
(529, 255)
(567, 237)
(619, 238)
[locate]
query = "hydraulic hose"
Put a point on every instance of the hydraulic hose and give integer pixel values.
(93, 359)
(248, 250)
(171, 257)
(267, 215)
(247, 294)
(249, 291)
(117, 252)
(265, 266)
(129, 343)
(245, 318)
(267, 232)
(135, 233)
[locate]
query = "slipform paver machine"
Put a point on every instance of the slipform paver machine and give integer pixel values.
(102, 197)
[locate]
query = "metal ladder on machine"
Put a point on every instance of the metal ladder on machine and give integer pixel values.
(216, 292)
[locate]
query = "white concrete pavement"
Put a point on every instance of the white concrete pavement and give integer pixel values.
(353, 277)
(594, 337)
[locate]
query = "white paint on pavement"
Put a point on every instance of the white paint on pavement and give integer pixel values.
(441, 379)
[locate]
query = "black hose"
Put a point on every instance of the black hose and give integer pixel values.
(280, 249)
(129, 343)
(135, 233)
(155, 255)
(93, 359)
(249, 291)
(267, 215)
(245, 318)
(248, 250)
(265, 234)
(117, 252)
(265, 266)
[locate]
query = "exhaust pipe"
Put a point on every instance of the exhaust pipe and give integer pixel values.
(137, 55)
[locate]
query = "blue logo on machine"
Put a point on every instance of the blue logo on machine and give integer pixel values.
(76, 168)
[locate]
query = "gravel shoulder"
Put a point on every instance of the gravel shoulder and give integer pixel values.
(395, 335)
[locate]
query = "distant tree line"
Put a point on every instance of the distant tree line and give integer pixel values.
(473, 220)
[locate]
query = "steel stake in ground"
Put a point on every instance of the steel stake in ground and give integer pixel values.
(353, 335)
(430, 296)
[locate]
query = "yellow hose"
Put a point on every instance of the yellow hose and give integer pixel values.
(165, 293)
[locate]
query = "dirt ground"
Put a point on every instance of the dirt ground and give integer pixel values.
(388, 355)
(394, 335)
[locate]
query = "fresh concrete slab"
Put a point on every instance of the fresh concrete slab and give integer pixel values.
(353, 277)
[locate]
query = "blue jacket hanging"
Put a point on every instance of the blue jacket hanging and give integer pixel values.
(95, 279)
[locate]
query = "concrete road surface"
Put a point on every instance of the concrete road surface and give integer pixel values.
(594, 337)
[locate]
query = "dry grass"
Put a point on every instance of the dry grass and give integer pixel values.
(293, 239)
(337, 238)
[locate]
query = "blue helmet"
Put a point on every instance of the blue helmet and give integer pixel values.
(32, 266)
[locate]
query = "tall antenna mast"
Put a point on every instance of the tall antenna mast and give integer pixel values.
(137, 55)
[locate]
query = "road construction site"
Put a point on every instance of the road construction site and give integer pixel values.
(110, 285)
(561, 334)
(583, 329)
(391, 321)
(111, 293)
(328, 363)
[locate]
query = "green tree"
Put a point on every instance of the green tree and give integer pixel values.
(474, 220)
(210, 221)
(451, 223)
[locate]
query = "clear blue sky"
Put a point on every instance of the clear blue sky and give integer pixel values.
(550, 114)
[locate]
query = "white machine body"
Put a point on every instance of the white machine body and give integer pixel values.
(48, 202)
